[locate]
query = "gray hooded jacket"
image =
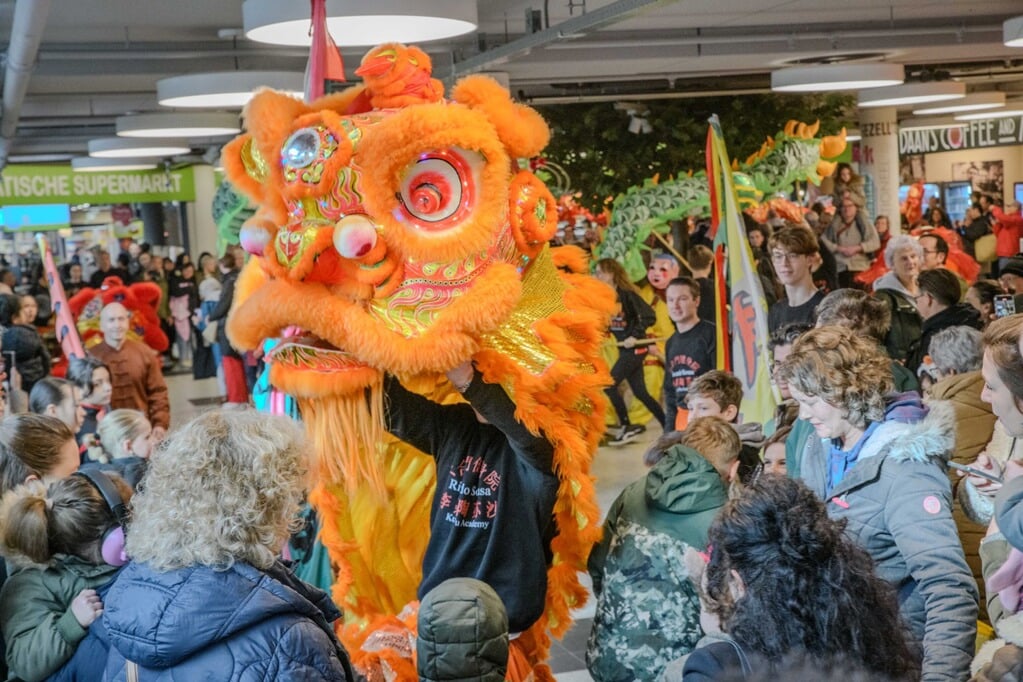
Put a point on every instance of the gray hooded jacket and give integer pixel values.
(898, 502)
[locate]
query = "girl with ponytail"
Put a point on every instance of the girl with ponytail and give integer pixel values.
(64, 544)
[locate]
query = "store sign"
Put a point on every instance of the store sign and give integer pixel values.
(22, 184)
(991, 132)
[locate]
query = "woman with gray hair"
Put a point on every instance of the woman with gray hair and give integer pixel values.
(878, 463)
(898, 288)
(205, 596)
(957, 353)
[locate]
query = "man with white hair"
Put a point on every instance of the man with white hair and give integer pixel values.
(135, 373)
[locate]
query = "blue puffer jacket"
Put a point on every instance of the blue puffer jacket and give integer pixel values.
(240, 624)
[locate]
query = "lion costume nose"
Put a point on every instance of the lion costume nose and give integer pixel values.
(354, 236)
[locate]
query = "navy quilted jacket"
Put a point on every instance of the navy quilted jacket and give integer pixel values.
(198, 624)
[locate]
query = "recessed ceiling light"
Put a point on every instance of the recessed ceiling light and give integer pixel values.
(180, 124)
(88, 164)
(357, 22)
(128, 148)
(1012, 32)
(837, 77)
(1010, 109)
(224, 89)
(929, 124)
(978, 101)
(912, 93)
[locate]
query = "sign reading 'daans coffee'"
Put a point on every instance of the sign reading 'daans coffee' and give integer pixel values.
(990, 132)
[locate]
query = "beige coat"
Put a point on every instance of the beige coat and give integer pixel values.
(974, 427)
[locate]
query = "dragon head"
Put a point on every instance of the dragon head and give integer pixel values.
(387, 238)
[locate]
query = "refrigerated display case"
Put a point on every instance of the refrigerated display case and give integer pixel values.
(956, 199)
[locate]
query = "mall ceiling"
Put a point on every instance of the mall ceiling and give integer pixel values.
(99, 59)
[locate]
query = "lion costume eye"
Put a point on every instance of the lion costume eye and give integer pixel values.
(302, 148)
(439, 189)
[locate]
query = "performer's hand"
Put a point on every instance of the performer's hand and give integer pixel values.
(461, 376)
(159, 433)
(629, 342)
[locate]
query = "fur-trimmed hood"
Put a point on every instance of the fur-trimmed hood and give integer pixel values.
(931, 437)
(1010, 631)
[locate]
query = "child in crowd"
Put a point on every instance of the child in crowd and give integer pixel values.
(58, 398)
(93, 378)
(719, 394)
(35, 447)
(127, 438)
(774, 453)
(787, 412)
(628, 326)
(66, 543)
(648, 612)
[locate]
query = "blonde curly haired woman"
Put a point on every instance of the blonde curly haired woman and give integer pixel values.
(205, 596)
(878, 463)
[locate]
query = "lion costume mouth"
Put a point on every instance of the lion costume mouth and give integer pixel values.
(299, 349)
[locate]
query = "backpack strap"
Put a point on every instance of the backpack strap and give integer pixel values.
(131, 671)
(747, 669)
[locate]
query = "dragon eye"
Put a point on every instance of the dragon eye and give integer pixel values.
(302, 148)
(439, 187)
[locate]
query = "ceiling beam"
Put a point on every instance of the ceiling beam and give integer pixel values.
(566, 30)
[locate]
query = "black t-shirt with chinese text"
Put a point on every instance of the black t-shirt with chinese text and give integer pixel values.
(492, 516)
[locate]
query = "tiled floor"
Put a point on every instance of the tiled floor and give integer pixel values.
(614, 468)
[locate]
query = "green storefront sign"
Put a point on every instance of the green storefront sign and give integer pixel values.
(61, 185)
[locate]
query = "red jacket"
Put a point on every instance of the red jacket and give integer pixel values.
(1008, 228)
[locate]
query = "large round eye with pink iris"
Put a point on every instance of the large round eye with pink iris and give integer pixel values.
(439, 190)
(354, 236)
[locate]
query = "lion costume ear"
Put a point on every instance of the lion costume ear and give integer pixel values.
(522, 131)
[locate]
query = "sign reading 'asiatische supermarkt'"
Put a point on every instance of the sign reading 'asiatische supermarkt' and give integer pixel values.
(24, 184)
(990, 132)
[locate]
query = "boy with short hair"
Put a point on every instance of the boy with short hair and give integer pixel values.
(648, 612)
(690, 351)
(793, 250)
(719, 394)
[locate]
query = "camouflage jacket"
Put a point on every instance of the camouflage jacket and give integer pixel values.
(648, 612)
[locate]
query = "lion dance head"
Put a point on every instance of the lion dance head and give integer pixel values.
(397, 233)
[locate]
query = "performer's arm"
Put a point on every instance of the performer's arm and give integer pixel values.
(494, 405)
(420, 422)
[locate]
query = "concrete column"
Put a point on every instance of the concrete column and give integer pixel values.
(202, 231)
(879, 161)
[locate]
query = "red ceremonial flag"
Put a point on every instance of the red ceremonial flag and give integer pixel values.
(324, 58)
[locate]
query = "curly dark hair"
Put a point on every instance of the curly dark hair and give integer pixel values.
(807, 588)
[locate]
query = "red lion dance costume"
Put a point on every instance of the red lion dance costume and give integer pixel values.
(397, 233)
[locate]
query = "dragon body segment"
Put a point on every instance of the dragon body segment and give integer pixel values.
(795, 154)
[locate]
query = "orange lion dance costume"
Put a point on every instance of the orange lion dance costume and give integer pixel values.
(396, 233)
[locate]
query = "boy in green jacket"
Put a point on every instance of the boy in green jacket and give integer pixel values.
(648, 612)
